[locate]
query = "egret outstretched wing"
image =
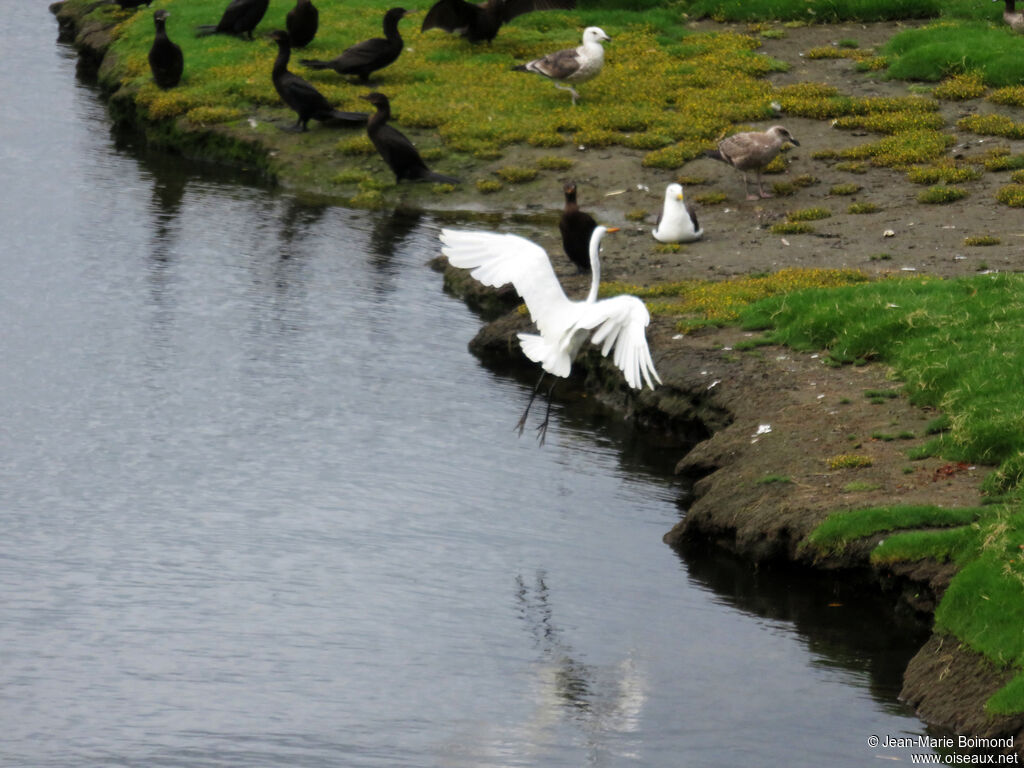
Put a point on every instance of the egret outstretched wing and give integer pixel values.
(498, 259)
(619, 325)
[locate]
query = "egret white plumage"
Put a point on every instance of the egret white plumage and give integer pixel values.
(676, 222)
(615, 324)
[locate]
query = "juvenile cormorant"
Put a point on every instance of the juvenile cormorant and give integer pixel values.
(306, 100)
(576, 228)
(396, 150)
(481, 22)
(572, 65)
(165, 59)
(370, 55)
(239, 18)
(676, 222)
(752, 151)
(302, 22)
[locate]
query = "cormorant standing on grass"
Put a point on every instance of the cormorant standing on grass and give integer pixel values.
(396, 150)
(239, 18)
(306, 100)
(128, 5)
(165, 59)
(370, 55)
(481, 22)
(576, 228)
(302, 22)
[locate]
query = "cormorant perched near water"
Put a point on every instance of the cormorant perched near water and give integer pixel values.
(481, 22)
(306, 100)
(370, 55)
(239, 18)
(576, 228)
(302, 22)
(165, 59)
(396, 150)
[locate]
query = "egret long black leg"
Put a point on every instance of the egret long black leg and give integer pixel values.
(521, 424)
(542, 430)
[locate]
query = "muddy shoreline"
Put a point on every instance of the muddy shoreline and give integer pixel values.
(721, 398)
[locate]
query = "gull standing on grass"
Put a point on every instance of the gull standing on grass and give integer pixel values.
(616, 323)
(572, 65)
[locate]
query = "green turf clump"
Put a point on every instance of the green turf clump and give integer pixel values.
(1011, 195)
(489, 186)
(859, 208)
(934, 52)
(961, 87)
(902, 149)
(791, 228)
(516, 174)
(848, 461)
(982, 240)
(991, 125)
(940, 195)
(946, 171)
(809, 214)
(554, 163)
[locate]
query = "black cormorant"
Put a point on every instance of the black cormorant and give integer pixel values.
(306, 100)
(576, 228)
(239, 18)
(127, 5)
(370, 55)
(302, 22)
(396, 150)
(165, 59)
(481, 22)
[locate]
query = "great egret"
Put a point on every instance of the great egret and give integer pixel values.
(752, 151)
(616, 324)
(572, 65)
(676, 222)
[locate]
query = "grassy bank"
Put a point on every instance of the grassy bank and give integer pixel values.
(957, 345)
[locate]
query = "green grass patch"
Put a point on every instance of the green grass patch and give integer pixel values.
(841, 528)
(848, 461)
(809, 214)
(1011, 195)
(939, 50)
(991, 125)
(941, 194)
(981, 240)
(791, 228)
(961, 87)
(721, 301)
(859, 208)
(771, 479)
(860, 486)
(944, 171)
(823, 13)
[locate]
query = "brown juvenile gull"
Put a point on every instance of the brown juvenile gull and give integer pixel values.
(572, 65)
(751, 152)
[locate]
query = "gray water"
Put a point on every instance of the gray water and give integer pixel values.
(260, 507)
